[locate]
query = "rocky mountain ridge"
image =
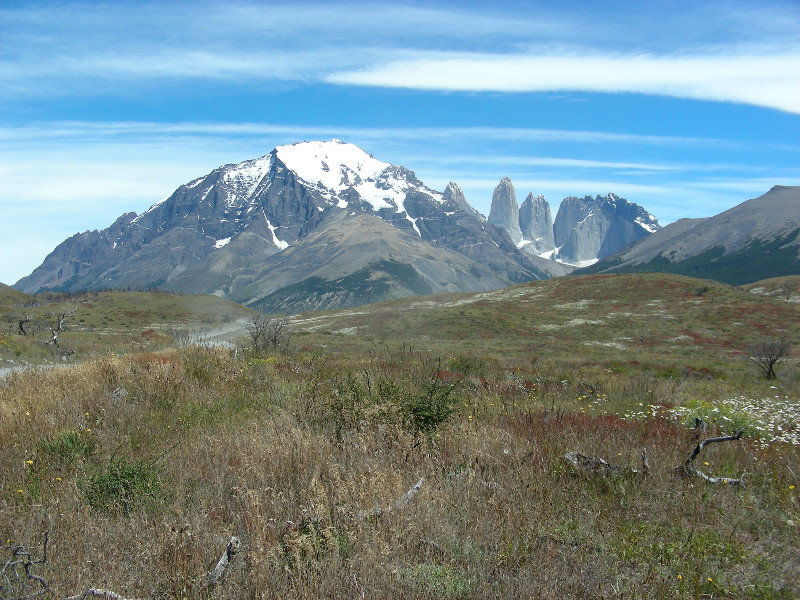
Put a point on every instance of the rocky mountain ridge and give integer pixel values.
(755, 240)
(585, 230)
(225, 232)
(320, 224)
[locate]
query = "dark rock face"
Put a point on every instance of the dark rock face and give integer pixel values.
(755, 240)
(587, 229)
(223, 233)
(505, 211)
(536, 223)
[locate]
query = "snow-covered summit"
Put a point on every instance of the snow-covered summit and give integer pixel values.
(334, 166)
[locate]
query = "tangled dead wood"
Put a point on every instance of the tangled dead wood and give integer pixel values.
(688, 468)
(18, 577)
(593, 465)
(19, 581)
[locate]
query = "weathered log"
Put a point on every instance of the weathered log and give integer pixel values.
(594, 465)
(590, 464)
(401, 503)
(98, 593)
(212, 577)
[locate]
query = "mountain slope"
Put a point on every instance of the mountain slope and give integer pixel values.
(9, 295)
(757, 239)
(308, 274)
(219, 233)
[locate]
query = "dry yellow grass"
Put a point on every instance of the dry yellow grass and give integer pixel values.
(141, 490)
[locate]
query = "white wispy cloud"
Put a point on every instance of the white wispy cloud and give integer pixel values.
(771, 81)
(77, 131)
(722, 51)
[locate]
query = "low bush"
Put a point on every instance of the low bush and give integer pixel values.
(123, 485)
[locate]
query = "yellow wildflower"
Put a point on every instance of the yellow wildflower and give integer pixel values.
(28, 462)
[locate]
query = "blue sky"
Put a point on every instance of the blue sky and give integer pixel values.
(685, 108)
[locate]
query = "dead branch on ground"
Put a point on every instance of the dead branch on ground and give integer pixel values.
(401, 503)
(98, 593)
(212, 577)
(594, 465)
(18, 579)
(688, 468)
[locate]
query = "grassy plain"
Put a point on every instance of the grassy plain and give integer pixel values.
(142, 466)
(97, 323)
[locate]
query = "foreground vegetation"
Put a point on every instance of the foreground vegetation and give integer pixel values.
(141, 467)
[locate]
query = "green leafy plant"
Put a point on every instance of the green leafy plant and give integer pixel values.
(429, 408)
(122, 485)
(68, 446)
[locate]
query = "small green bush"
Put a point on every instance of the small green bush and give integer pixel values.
(122, 486)
(467, 364)
(68, 446)
(432, 406)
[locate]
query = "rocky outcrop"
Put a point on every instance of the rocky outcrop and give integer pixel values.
(504, 211)
(536, 223)
(588, 229)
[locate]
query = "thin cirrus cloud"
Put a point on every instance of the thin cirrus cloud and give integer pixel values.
(767, 80)
(82, 131)
(723, 51)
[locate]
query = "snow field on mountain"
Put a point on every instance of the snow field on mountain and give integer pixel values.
(337, 166)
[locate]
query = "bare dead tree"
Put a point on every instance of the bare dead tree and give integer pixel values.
(56, 328)
(21, 325)
(268, 332)
(767, 353)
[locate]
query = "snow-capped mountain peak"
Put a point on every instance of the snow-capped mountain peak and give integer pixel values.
(334, 166)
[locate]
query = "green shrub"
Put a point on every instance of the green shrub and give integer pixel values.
(442, 580)
(68, 446)
(467, 364)
(430, 407)
(122, 485)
